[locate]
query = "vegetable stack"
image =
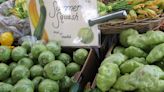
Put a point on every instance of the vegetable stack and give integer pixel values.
(135, 66)
(39, 67)
(137, 9)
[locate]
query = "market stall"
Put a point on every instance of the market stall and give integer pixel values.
(81, 46)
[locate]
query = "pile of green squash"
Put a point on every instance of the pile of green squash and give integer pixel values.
(137, 65)
(39, 67)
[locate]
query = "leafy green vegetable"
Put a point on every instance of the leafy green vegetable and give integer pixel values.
(120, 5)
(102, 8)
(20, 9)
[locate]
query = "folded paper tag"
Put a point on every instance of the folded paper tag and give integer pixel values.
(65, 21)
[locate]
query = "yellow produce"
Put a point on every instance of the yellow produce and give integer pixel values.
(151, 13)
(136, 1)
(139, 6)
(142, 12)
(152, 3)
(138, 9)
(35, 17)
(160, 11)
(128, 18)
(153, 7)
(6, 39)
(157, 2)
(133, 14)
(162, 4)
(141, 16)
(20, 9)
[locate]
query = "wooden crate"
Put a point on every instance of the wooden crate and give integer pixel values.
(88, 70)
(114, 40)
(116, 26)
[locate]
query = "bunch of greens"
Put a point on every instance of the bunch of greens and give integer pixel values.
(20, 9)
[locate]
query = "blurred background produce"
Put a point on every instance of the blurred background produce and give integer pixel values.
(137, 9)
(20, 9)
(14, 18)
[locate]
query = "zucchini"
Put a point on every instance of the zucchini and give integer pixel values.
(38, 33)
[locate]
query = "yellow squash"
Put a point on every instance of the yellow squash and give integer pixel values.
(6, 39)
(35, 17)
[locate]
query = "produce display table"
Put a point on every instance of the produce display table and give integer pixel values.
(129, 58)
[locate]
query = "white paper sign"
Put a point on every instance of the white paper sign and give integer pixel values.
(67, 21)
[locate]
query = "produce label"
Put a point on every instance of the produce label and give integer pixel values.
(65, 21)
